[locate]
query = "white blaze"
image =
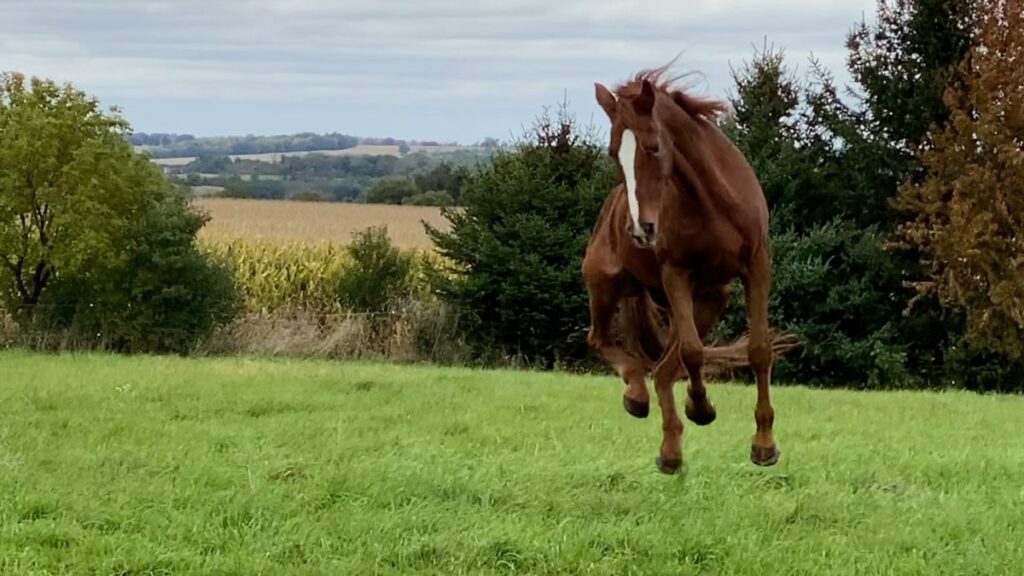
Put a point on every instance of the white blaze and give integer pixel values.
(627, 158)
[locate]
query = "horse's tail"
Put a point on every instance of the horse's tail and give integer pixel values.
(644, 328)
(725, 359)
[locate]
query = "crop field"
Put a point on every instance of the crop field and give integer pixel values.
(276, 220)
(360, 150)
(151, 465)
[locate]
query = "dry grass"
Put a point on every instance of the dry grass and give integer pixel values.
(315, 221)
(424, 332)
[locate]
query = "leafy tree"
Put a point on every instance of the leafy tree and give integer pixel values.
(904, 61)
(66, 174)
(444, 177)
(391, 191)
(94, 238)
(967, 214)
(430, 198)
(518, 242)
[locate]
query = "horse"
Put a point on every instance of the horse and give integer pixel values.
(688, 218)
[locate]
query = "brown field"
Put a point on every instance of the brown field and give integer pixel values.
(173, 161)
(360, 150)
(291, 221)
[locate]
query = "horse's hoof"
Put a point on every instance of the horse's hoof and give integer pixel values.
(765, 456)
(635, 407)
(702, 414)
(670, 465)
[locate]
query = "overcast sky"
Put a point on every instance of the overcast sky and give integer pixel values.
(414, 69)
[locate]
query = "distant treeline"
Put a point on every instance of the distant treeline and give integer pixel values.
(377, 179)
(176, 145)
(180, 145)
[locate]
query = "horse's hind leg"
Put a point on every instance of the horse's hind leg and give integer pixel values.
(763, 451)
(604, 298)
(708, 306)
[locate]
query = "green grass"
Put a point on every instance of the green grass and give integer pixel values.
(114, 465)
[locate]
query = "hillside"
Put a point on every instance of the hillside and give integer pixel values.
(329, 167)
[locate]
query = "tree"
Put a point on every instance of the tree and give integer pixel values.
(967, 214)
(391, 191)
(443, 178)
(430, 198)
(94, 238)
(518, 242)
(66, 172)
(832, 276)
(905, 61)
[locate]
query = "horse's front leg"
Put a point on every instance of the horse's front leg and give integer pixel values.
(666, 372)
(685, 351)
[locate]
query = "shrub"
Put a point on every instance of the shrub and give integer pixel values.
(377, 275)
(163, 295)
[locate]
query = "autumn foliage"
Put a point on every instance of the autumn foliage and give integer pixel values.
(967, 213)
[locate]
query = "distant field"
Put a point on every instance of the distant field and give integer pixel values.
(315, 221)
(147, 465)
(361, 150)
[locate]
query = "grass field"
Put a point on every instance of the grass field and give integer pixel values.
(315, 221)
(116, 465)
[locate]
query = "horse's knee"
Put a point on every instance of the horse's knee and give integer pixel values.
(760, 353)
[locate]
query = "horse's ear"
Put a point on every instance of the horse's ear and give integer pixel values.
(644, 103)
(606, 99)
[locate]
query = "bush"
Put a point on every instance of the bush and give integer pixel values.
(164, 295)
(824, 292)
(378, 274)
(517, 244)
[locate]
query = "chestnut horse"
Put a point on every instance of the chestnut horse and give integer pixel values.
(688, 219)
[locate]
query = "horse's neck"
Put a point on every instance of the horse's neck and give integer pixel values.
(703, 180)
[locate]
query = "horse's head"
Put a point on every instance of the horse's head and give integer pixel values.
(634, 147)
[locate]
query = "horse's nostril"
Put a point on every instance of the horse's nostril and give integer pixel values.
(648, 228)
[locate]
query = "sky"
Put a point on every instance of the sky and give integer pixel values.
(409, 69)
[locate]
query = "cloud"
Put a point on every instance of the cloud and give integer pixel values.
(194, 60)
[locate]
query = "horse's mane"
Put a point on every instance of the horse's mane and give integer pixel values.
(661, 81)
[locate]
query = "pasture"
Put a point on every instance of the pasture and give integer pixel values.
(334, 222)
(149, 465)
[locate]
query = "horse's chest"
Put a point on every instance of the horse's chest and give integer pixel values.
(713, 253)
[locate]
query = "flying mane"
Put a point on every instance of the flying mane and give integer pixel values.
(658, 77)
